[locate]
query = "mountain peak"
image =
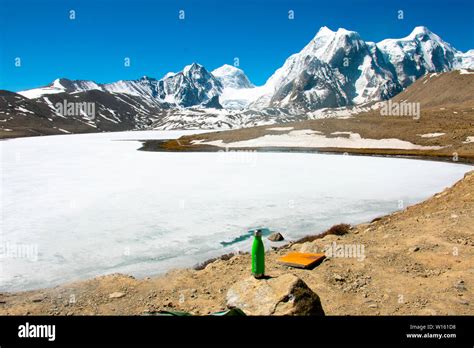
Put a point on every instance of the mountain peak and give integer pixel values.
(168, 74)
(420, 30)
(192, 67)
(422, 33)
(61, 82)
(343, 31)
(226, 69)
(324, 31)
(328, 44)
(231, 76)
(147, 78)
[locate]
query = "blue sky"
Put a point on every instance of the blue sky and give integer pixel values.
(258, 32)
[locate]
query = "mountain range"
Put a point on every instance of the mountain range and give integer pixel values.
(335, 69)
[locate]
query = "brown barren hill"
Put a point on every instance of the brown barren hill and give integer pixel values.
(450, 89)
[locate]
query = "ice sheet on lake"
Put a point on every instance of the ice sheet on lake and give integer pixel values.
(91, 204)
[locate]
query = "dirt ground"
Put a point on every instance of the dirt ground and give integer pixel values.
(418, 261)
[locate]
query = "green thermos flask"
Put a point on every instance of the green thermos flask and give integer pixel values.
(258, 255)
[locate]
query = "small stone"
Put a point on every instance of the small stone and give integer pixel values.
(338, 278)
(429, 311)
(459, 285)
(414, 249)
(276, 237)
(116, 295)
(37, 299)
(373, 305)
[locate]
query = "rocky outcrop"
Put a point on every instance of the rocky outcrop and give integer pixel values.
(283, 295)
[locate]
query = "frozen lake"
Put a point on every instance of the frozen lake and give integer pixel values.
(78, 206)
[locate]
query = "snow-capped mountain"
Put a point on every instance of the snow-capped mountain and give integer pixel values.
(232, 77)
(464, 60)
(144, 87)
(335, 69)
(238, 91)
(61, 85)
(419, 53)
(192, 86)
(304, 82)
(339, 68)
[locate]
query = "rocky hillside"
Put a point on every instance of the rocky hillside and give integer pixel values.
(435, 90)
(81, 112)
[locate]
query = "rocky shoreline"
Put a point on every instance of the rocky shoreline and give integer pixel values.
(418, 261)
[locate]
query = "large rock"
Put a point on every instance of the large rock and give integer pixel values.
(283, 295)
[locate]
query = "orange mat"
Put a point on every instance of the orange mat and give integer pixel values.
(301, 260)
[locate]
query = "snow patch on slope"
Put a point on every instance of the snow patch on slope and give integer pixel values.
(310, 138)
